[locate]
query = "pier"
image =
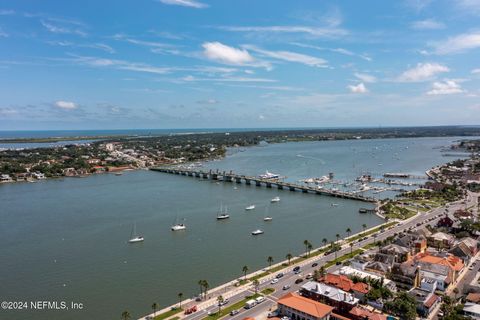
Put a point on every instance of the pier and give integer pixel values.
(230, 176)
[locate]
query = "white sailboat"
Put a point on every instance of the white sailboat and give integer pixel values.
(267, 217)
(222, 215)
(134, 237)
(250, 207)
(257, 232)
(275, 199)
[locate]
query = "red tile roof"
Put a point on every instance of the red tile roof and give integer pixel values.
(367, 314)
(308, 306)
(454, 262)
(431, 301)
(344, 283)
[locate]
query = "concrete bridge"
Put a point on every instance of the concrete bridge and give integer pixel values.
(259, 182)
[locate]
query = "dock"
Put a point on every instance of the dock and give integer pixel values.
(230, 176)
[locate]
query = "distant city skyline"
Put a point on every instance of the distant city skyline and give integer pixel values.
(240, 64)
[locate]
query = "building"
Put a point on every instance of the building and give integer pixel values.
(5, 178)
(359, 289)
(465, 249)
(352, 272)
(426, 301)
(340, 300)
(361, 313)
(401, 254)
(297, 307)
(414, 242)
(441, 240)
(472, 310)
(473, 297)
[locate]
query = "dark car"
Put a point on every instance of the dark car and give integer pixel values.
(279, 275)
(297, 268)
(234, 312)
(299, 280)
(314, 264)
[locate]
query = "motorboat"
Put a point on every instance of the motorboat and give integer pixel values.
(250, 207)
(178, 227)
(269, 175)
(267, 219)
(223, 214)
(134, 237)
(334, 204)
(257, 232)
(276, 199)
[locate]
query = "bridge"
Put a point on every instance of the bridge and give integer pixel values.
(230, 176)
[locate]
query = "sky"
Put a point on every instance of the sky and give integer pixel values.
(238, 64)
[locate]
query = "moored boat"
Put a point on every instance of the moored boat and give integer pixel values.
(257, 232)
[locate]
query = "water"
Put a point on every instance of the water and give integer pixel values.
(66, 239)
(33, 145)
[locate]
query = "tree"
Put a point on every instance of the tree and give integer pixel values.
(125, 315)
(289, 257)
(364, 227)
(245, 270)
(205, 286)
(455, 292)
(351, 248)
(324, 241)
(180, 295)
(337, 236)
(270, 260)
(309, 247)
(256, 285)
(403, 306)
(305, 243)
(348, 231)
(154, 308)
(220, 302)
(200, 283)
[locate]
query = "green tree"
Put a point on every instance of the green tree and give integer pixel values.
(125, 315)
(348, 231)
(305, 243)
(364, 227)
(154, 308)
(309, 248)
(220, 302)
(180, 296)
(200, 284)
(404, 306)
(351, 248)
(206, 285)
(256, 285)
(289, 257)
(270, 261)
(324, 241)
(245, 270)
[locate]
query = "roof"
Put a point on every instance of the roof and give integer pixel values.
(344, 283)
(366, 314)
(441, 236)
(473, 297)
(431, 301)
(451, 261)
(308, 306)
(330, 292)
(472, 308)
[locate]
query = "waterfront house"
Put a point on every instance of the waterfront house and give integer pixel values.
(340, 300)
(5, 178)
(359, 289)
(297, 307)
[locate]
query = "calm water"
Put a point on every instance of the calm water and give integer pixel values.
(66, 239)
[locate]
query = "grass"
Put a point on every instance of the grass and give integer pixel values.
(168, 314)
(371, 231)
(225, 311)
(268, 291)
(343, 258)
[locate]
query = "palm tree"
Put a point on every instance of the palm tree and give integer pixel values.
(220, 301)
(289, 257)
(455, 292)
(270, 260)
(322, 271)
(245, 270)
(309, 247)
(180, 295)
(324, 241)
(334, 248)
(154, 308)
(256, 285)
(125, 315)
(364, 227)
(200, 283)
(348, 231)
(337, 236)
(305, 243)
(351, 248)
(205, 286)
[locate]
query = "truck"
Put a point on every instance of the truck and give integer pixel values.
(260, 299)
(250, 304)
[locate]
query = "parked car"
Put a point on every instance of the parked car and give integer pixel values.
(299, 280)
(272, 314)
(309, 276)
(224, 302)
(191, 310)
(280, 275)
(234, 312)
(314, 264)
(274, 281)
(286, 287)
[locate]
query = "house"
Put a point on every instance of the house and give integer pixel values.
(472, 310)
(297, 307)
(445, 222)
(351, 272)
(378, 267)
(340, 300)
(400, 254)
(38, 175)
(361, 313)
(5, 178)
(359, 289)
(473, 297)
(465, 249)
(414, 242)
(464, 215)
(426, 301)
(441, 240)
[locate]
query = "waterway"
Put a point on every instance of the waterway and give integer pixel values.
(65, 239)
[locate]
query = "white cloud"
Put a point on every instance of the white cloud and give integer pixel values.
(191, 78)
(365, 77)
(290, 56)
(185, 3)
(427, 24)
(208, 101)
(122, 65)
(3, 34)
(5, 12)
(359, 88)
(100, 46)
(65, 105)
(469, 6)
(422, 72)
(458, 44)
(62, 30)
(445, 87)
(221, 53)
(475, 71)
(327, 32)
(336, 50)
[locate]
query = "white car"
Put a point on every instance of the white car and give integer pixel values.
(275, 280)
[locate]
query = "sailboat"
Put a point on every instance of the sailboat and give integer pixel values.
(275, 199)
(250, 207)
(222, 215)
(267, 217)
(133, 236)
(178, 226)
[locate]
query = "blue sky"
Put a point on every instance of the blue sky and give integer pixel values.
(250, 63)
